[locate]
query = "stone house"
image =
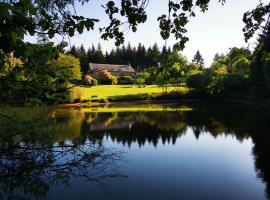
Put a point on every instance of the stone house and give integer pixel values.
(116, 70)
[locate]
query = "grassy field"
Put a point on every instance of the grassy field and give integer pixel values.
(125, 92)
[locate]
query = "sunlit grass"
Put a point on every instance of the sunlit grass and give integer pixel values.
(116, 92)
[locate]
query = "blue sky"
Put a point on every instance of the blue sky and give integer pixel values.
(214, 31)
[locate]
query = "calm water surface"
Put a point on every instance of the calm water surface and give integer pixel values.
(154, 152)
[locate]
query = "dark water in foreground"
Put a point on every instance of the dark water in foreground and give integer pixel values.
(204, 152)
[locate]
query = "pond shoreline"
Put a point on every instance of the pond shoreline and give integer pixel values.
(257, 102)
(252, 101)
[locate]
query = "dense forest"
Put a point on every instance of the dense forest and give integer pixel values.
(138, 57)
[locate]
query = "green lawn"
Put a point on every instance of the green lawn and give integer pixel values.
(117, 92)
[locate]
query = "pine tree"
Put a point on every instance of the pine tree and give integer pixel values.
(124, 54)
(118, 59)
(216, 57)
(129, 54)
(141, 57)
(164, 50)
(82, 52)
(62, 46)
(113, 56)
(164, 55)
(169, 49)
(99, 55)
(154, 55)
(73, 51)
(198, 59)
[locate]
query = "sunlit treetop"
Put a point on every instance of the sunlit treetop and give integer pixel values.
(49, 18)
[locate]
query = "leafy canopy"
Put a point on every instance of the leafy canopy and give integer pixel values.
(48, 18)
(68, 66)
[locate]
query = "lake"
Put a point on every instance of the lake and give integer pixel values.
(193, 151)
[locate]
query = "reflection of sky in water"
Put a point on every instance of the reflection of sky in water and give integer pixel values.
(204, 168)
(206, 153)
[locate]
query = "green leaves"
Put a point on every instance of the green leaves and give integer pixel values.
(203, 4)
(133, 11)
(174, 23)
(254, 19)
(50, 18)
(44, 18)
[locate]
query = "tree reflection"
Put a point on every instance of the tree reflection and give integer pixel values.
(167, 126)
(69, 142)
(30, 164)
(237, 120)
(137, 128)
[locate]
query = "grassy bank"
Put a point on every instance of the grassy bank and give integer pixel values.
(96, 95)
(124, 92)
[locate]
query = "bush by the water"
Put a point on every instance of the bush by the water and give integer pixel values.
(59, 98)
(125, 80)
(31, 102)
(225, 85)
(76, 95)
(197, 79)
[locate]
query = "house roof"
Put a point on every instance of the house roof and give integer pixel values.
(94, 67)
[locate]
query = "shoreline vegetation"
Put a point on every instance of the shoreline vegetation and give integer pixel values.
(134, 106)
(130, 95)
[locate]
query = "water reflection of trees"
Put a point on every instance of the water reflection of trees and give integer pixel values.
(136, 128)
(35, 165)
(152, 127)
(238, 121)
(32, 160)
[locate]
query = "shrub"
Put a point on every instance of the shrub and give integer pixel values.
(32, 102)
(58, 98)
(90, 81)
(105, 77)
(266, 69)
(143, 78)
(67, 66)
(225, 85)
(197, 79)
(242, 68)
(104, 100)
(219, 68)
(125, 80)
(114, 80)
(10, 62)
(76, 95)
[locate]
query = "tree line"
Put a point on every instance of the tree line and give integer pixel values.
(139, 57)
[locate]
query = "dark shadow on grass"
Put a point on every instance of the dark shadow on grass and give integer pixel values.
(141, 96)
(127, 86)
